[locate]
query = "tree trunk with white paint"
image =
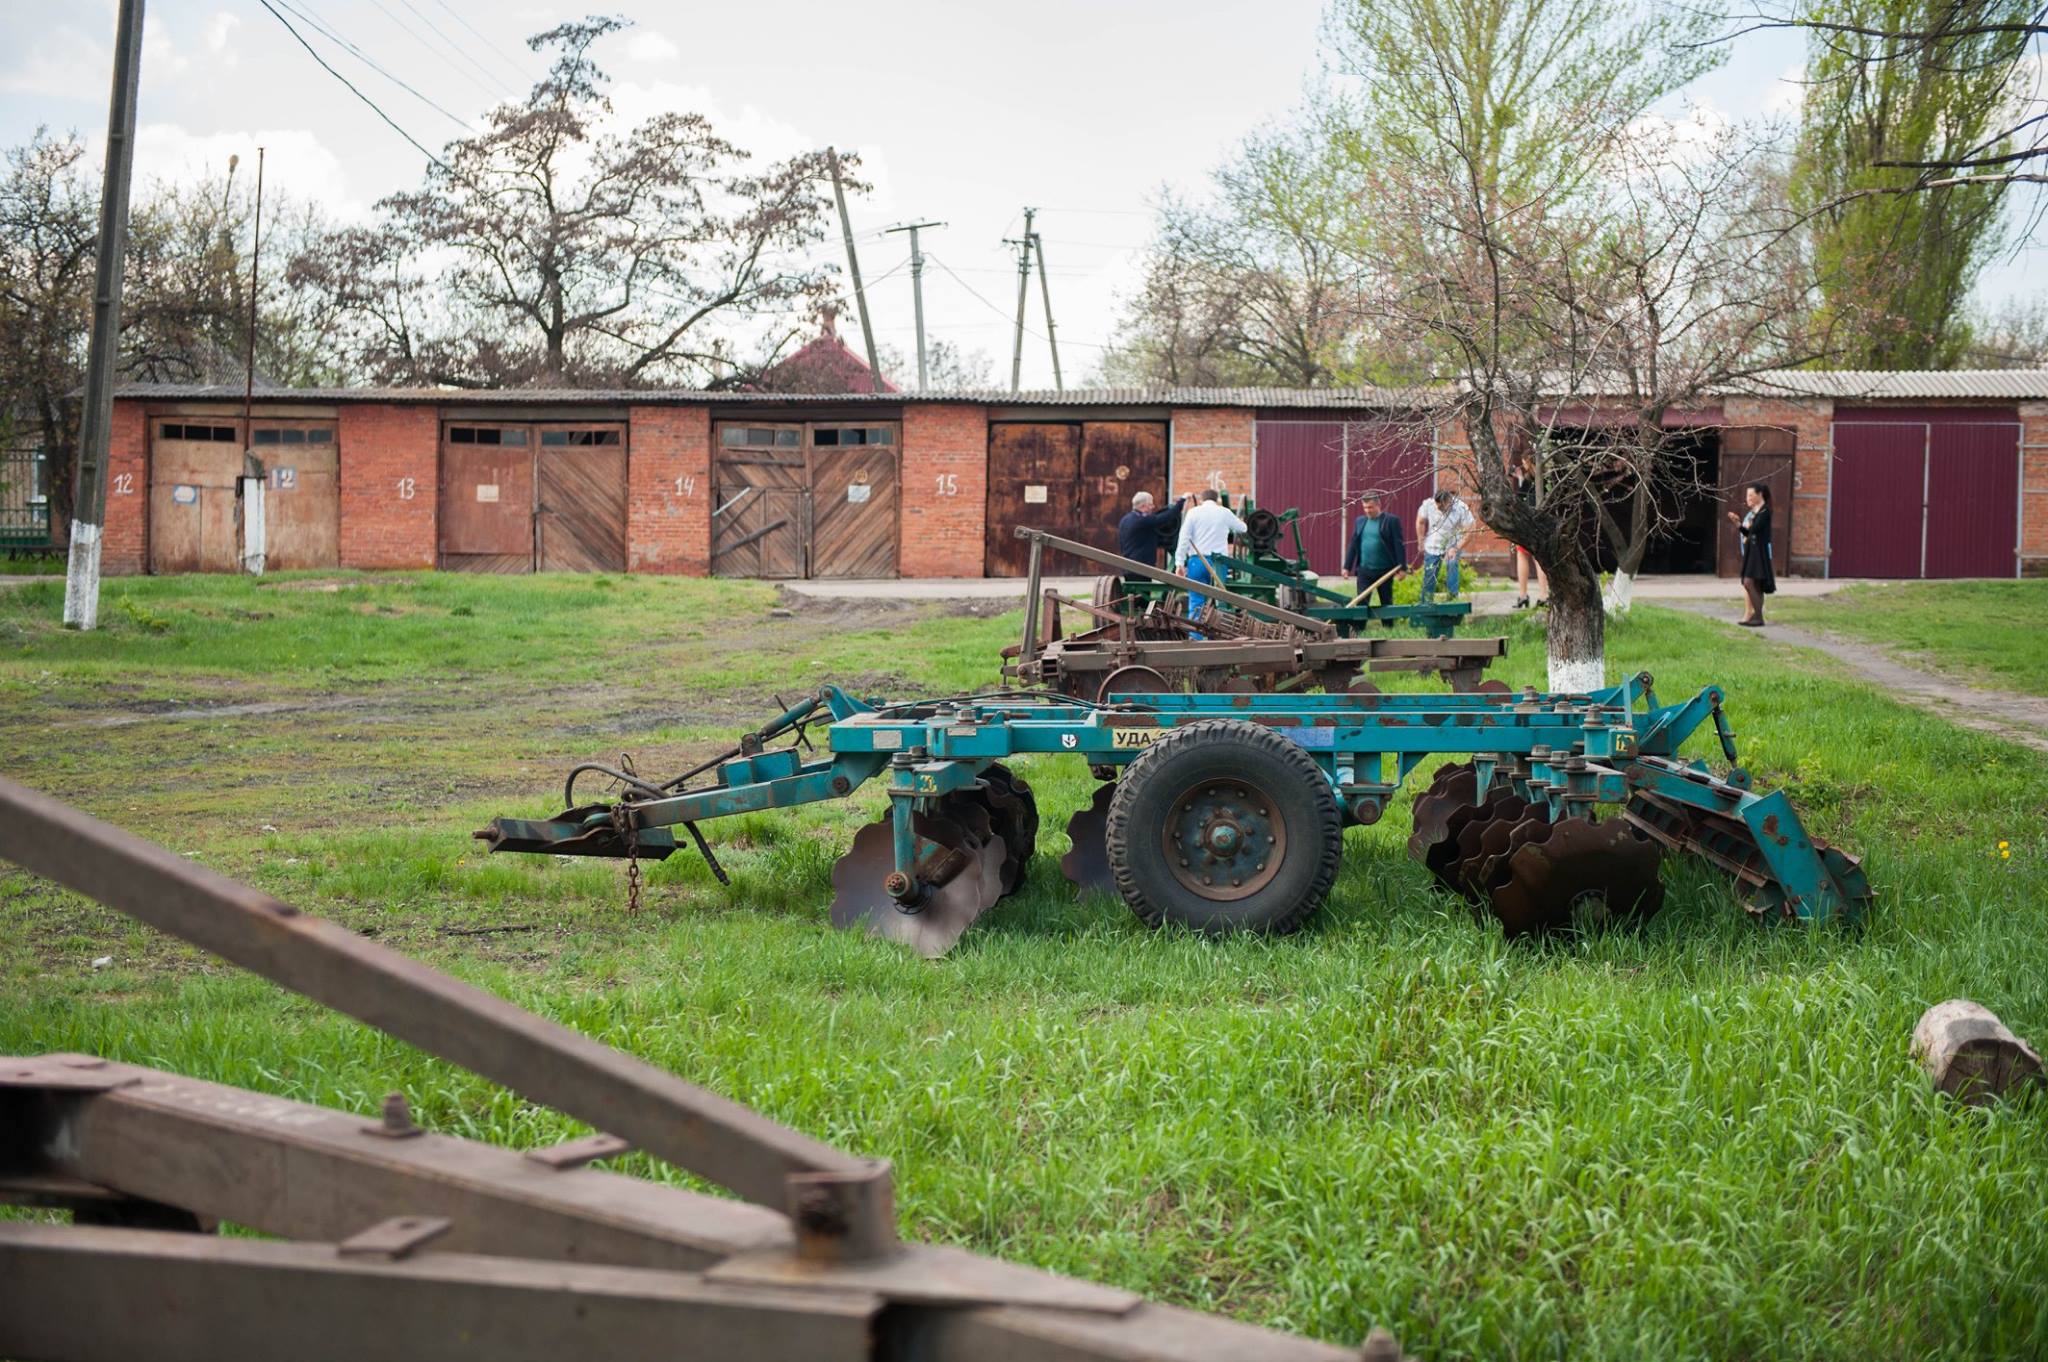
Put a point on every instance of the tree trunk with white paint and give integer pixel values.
(1621, 593)
(1577, 629)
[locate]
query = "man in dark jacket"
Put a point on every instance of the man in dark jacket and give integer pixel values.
(1140, 533)
(1376, 548)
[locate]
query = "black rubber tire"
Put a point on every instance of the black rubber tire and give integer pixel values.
(1224, 748)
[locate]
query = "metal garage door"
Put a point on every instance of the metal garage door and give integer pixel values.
(1321, 468)
(1073, 478)
(1936, 497)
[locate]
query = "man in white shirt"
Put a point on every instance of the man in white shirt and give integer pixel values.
(1441, 526)
(1204, 530)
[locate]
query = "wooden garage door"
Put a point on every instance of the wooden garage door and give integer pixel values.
(760, 486)
(580, 508)
(193, 465)
(816, 499)
(1755, 454)
(302, 501)
(487, 498)
(853, 501)
(1032, 472)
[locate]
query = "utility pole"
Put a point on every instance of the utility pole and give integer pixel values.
(255, 535)
(917, 292)
(1045, 291)
(1023, 292)
(89, 485)
(860, 294)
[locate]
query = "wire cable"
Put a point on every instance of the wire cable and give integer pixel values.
(327, 31)
(374, 106)
(518, 71)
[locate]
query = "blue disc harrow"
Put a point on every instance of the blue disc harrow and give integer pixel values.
(1226, 813)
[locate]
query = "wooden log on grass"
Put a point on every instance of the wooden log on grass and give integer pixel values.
(1969, 1053)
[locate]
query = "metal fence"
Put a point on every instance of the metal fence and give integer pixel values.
(24, 499)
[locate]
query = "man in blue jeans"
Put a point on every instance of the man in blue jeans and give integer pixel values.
(1204, 530)
(1441, 527)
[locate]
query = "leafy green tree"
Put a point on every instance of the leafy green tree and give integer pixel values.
(1899, 94)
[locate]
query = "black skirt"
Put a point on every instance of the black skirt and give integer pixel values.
(1756, 552)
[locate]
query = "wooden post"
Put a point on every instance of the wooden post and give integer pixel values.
(1970, 1055)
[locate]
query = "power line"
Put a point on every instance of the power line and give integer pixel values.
(494, 89)
(374, 106)
(511, 63)
(1007, 319)
(327, 31)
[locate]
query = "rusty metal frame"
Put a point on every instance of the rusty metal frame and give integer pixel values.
(393, 1242)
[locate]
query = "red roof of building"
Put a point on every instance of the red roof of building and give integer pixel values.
(824, 365)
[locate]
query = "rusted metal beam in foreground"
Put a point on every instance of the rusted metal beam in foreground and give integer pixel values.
(1315, 628)
(84, 1294)
(583, 1263)
(709, 1135)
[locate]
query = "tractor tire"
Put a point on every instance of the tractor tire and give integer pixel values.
(1224, 826)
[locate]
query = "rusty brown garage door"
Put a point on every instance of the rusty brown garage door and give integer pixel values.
(516, 497)
(302, 502)
(1073, 478)
(815, 499)
(193, 464)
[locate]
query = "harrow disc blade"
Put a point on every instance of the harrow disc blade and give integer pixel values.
(1579, 864)
(1087, 865)
(1503, 808)
(1453, 788)
(1013, 816)
(967, 881)
(1503, 838)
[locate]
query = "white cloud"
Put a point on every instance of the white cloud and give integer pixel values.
(57, 61)
(219, 28)
(295, 162)
(652, 46)
(1788, 93)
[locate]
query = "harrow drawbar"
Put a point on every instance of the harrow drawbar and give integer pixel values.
(1225, 812)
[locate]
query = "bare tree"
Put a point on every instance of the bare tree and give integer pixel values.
(548, 249)
(1252, 288)
(48, 226)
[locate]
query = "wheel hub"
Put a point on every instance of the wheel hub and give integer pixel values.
(1222, 839)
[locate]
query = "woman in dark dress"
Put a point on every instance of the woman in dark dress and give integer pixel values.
(1754, 530)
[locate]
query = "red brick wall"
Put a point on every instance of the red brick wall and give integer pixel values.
(2034, 489)
(1212, 447)
(1814, 423)
(945, 491)
(124, 543)
(668, 490)
(390, 483)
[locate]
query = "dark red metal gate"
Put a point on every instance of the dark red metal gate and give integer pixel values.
(1322, 468)
(1924, 494)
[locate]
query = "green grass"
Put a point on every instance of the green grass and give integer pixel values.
(1700, 1139)
(1988, 633)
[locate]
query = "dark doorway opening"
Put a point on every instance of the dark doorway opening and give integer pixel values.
(1688, 506)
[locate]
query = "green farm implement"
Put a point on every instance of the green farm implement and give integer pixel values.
(1226, 812)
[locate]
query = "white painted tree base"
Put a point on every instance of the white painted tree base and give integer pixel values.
(1621, 594)
(82, 578)
(1575, 675)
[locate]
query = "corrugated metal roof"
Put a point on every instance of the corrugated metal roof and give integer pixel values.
(1878, 385)
(1342, 399)
(1984, 385)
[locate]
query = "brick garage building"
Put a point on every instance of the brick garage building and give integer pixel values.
(1900, 475)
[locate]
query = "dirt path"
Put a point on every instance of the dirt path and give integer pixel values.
(2018, 718)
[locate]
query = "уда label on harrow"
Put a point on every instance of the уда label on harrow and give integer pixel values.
(1133, 737)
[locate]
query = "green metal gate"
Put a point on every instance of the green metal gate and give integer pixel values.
(24, 499)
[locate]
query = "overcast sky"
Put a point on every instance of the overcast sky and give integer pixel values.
(962, 112)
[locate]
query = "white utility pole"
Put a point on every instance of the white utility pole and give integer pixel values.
(917, 292)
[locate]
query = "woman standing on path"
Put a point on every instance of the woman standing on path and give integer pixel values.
(1523, 474)
(1754, 530)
